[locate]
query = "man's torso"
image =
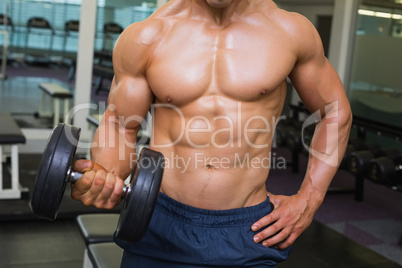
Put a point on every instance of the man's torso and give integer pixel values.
(219, 92)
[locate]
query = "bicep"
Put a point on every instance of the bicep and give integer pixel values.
(130, 95)
(318, 85)
(129, 100)
(313, 76)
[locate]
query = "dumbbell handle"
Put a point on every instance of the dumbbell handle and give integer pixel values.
(73, 176)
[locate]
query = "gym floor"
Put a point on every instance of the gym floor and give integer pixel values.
(345, 233)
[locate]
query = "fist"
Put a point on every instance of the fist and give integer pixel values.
(97, 187)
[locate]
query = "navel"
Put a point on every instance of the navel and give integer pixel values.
(210, 167)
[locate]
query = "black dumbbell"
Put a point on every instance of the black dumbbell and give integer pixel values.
(56, 170)
(358, 160)
(386, 169)
(354, 145)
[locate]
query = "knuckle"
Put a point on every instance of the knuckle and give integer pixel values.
(275, 228)
(110, 182)
(282, 236)
(98, 205)
(285, 244)
(267, 219)
(74, 196)
(87, 202)
(86, 179)
(100, 178)
(110, 205)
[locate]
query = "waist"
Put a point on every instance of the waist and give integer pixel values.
(213, 218)
(187, 158)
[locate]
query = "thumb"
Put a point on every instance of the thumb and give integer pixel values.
(83, 165)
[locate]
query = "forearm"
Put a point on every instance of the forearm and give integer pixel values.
(326, 152)
(113, 147)
(293, 214)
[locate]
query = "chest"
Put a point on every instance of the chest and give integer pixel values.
(242, 62)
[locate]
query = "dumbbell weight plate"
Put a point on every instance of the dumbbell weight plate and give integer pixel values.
(381, 169)
(357, 162)
(139, 204)
(50, 180)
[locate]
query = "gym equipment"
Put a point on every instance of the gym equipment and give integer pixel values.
(41, 27)
(111, 31)
(103, 255)
(294, 137)
(7, 23)
(58, 94)
(71, 31)
(355, 145)
(358, 160)
(386, 169)
(282, 130)
(55, 171)
(11, 135)
(92, 232)
(349, 150)
(102, 68)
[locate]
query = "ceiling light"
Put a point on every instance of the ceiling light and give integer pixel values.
(366, 12)
(380, 14)
(383, 15)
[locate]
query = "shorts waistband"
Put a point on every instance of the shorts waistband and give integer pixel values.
(206, 217)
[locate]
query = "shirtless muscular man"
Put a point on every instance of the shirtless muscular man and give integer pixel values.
(214, 74)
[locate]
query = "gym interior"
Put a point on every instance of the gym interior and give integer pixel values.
(56, 67)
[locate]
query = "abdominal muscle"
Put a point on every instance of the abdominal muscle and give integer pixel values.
(214, 163)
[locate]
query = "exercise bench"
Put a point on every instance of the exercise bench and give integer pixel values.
(57, 93)
(103, 255)
(97, 231)
(10, 135)
(97, 228)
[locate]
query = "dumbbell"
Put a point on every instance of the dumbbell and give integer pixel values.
(358, 160)
(56, 170)
(386, 169)
(354, 145)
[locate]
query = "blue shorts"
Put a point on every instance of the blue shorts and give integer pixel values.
(184, 236)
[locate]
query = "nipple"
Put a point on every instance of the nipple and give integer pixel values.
(169, 99)
(263, 92)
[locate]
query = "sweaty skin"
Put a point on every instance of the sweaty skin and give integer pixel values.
(214, 75)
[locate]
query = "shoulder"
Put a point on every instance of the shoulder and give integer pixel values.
(154, 28)
(143, 33)
(135, 44)
(302, 34)
(292, 23)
